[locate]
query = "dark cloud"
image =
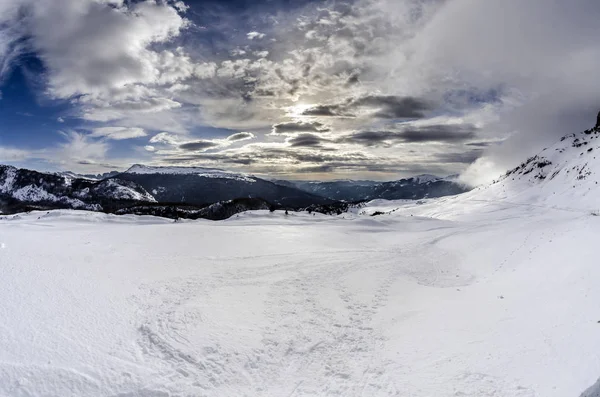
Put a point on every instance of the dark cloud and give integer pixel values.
(316, 169)
(306, 140)
(434, 133)
(439, 133)
(327, 111)
(483, 144)
(385, 107)
(275, 160)
(240, 136)
(198, 145)
(353, 79)
(283, 128)
(263, 155)
(370, 138)
(322, 110)
(393, 107)
(463, 157)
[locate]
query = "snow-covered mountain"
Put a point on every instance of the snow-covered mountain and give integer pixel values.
(414, 188)
(95, 177)
(139, 169)
(566, 175)
(203, 186)
(22, 189)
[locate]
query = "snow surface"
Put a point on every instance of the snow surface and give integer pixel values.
(200, 171)
(450, 297)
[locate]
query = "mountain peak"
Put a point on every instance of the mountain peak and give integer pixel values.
(140, 169)
(425, 178)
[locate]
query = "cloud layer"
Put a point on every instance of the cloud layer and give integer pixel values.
(356, 88)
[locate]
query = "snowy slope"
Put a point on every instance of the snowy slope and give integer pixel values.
(566, 174)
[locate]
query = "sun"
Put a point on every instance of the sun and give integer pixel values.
(298, 110)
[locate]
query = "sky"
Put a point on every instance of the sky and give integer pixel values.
(298, 89)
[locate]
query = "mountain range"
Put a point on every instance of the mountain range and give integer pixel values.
(195, 192)
(414, 188)
(558, 175)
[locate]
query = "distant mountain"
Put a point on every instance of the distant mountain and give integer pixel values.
(417, 187)
(183, 192)
(203, 186)
(342, 190)
(95, 177)
(22, 190)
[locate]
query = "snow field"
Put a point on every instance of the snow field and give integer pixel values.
(492, 299)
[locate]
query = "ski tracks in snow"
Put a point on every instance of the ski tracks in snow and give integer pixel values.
(321, 338)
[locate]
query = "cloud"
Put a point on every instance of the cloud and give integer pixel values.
(255, 35)
(101, 55)
(438, 133)
(460, 157)
(306, 140)
(392, 107)
(77, 149)
(294, 127)
(376, 106)
(325, 111)
(11, 155)
(90, 48)
(198, 145)
(414, 134)
(241, 136)
(117, 133)
(165, 138)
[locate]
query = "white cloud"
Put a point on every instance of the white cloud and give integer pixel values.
(90, 48)
(102, 54)
(165, 138)
(117, 133)
(78, 148)
(181, 6)
(261, 54)
(255, 35)
(10, 155)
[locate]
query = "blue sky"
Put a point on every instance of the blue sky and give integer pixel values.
(300, 89)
